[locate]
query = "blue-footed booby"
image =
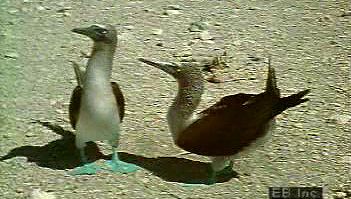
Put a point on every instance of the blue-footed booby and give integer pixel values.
(229, 126)
(97, 105)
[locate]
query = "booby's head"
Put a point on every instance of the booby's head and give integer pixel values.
(183, 71)
(99, 33)
(190, 88)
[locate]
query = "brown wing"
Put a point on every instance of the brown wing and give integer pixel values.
(74, 106)
(228, 126)
(76, 97)
(227, 101)
(119, 98)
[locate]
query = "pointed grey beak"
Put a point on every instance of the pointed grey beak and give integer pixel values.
(168, 67)
(84, 31)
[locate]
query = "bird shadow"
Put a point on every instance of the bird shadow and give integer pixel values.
(62, 154)
(174, 169)
(59, 154)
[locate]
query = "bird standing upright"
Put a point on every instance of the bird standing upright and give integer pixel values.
(226, 128)
(97, 105)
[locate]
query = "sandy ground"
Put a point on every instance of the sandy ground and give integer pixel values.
(309, 42)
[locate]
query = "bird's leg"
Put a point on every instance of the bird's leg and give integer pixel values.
(116, 165)
(221, 167)
(86, 168)
(82, 156)
(215, 176)
(227, 170)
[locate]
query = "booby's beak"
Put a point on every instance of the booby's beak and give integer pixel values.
(84, 31)
(168, 67)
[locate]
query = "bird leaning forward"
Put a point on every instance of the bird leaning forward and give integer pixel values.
(235, 123)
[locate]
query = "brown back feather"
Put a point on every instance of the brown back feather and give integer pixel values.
(235, 122)
(229, 126)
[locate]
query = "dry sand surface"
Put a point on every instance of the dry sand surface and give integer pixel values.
(309, 42)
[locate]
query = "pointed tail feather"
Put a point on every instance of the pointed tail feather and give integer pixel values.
(79, 73)
(291, 101)
(271, 83)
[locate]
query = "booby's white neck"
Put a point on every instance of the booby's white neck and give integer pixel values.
(181, 112)
(99, 66)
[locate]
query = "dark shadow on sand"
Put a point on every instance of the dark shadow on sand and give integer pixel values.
(62, 154)
(59, 154)
(175, 169)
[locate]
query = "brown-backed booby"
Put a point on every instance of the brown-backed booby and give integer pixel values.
(227, 127)
(97, 105)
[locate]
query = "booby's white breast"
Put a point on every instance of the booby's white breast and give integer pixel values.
(98, 117)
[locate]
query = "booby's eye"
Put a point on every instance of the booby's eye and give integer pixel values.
(100, 30)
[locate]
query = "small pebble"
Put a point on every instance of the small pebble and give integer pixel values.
(340, 195)
(66, 14)
(347, 160)
(53, 102)
(12, 55)
(12, 11)
(208, 41)
(172, 12)
(254, 8)
(205, 35)
(298, 125)
(254, 58)
(174, 7)
(145, 180)
(341, 119)
(30, 134)
(41, 8)
(60, 111)
(62, 10)
(25, 9)
(157, 31)
(185, 53)
(301, 150)
(214, 79)
(345, 14)
(325, 18)
(39, 194)
(19, 190)
(129, 27)
(198, 26)
(218, 24)
(149, 10)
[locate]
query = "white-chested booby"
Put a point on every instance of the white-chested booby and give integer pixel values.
(227, 127)
(97, 105)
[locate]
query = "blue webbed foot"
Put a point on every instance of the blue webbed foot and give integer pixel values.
(121, 167)
(116, 165)
(86, 169)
